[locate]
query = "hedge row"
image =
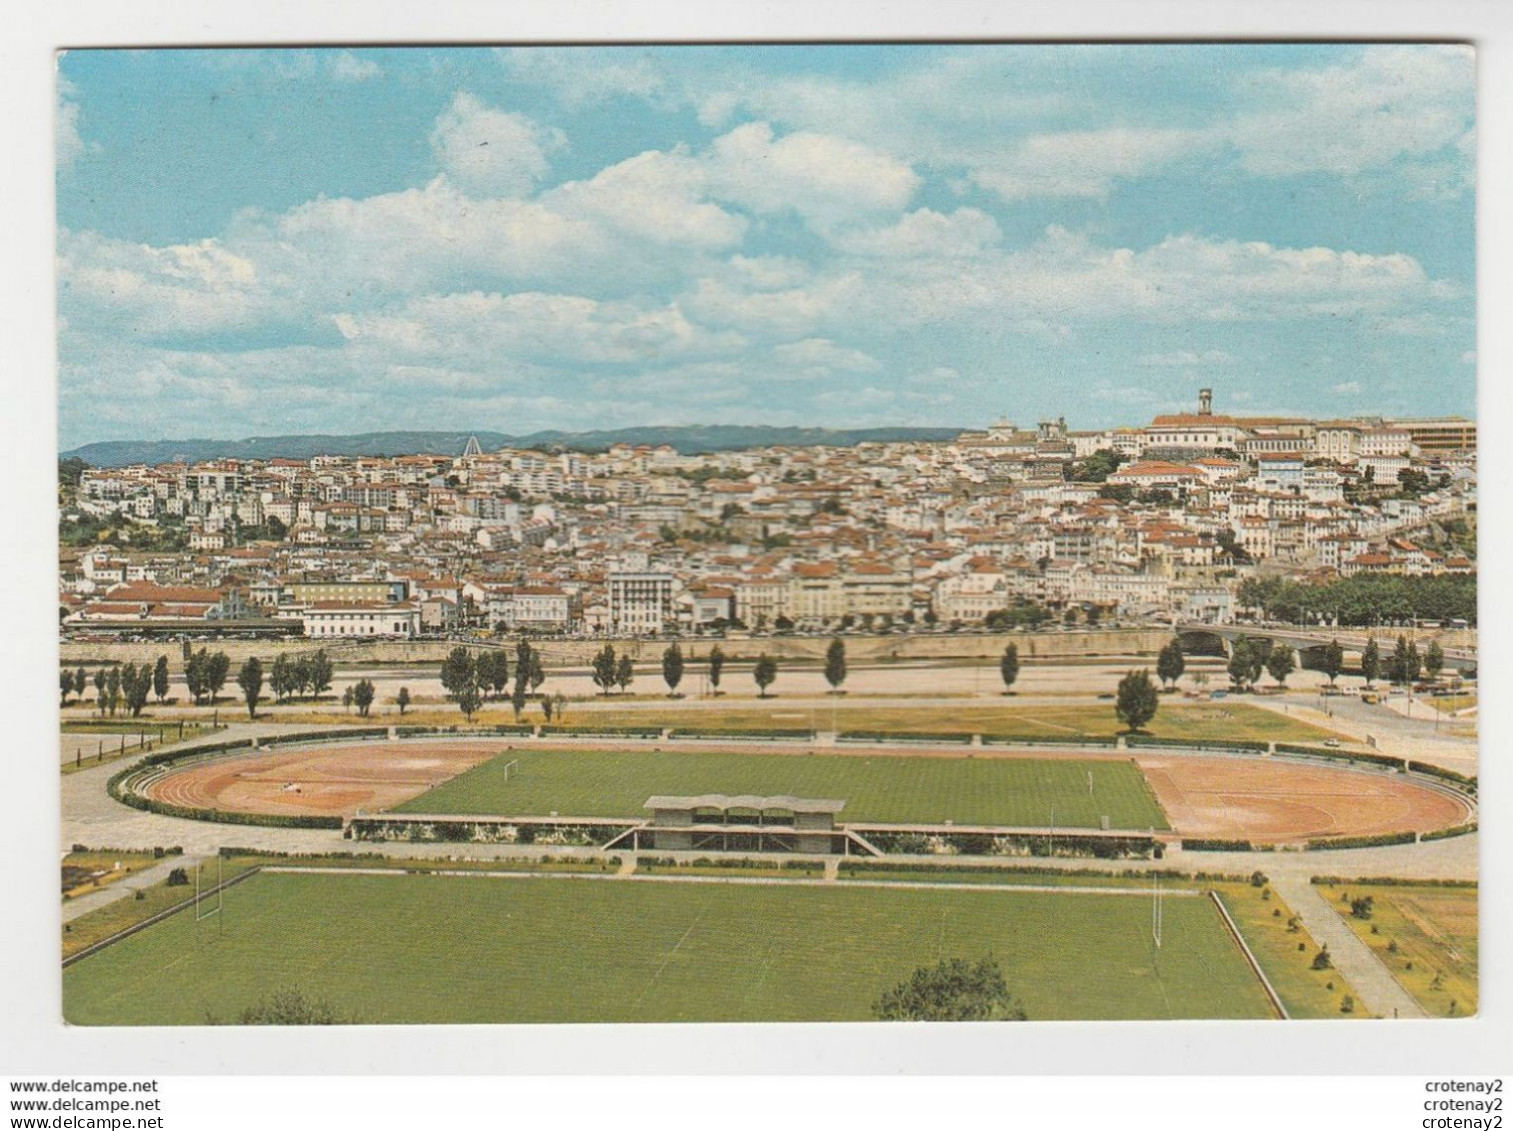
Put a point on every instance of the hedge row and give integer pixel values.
(862, 866)
(1389, 881)
(465, 831)
(1441, 772)
(1249, 744)
(326, 735)
(605, 732)
(1362, 841)
(1216, 844)
(1340, 755)
(746, 862)
(1453, 830)
(911, 736)
(1015, 844)
(501, 728)
(742, 732)
(1085, 740)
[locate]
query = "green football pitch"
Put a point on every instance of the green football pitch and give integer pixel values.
(896, 790)
(429, 949)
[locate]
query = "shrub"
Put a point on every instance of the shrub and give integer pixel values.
(1258, 879)
(1347, 1004)
(1322, 961)
(178, 878)
(1453, 830)
(1326, 843)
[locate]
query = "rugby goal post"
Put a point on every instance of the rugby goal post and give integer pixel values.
(203, 907)
(511, 768)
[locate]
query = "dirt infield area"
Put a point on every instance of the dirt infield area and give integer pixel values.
(322, 780)
(1275, 801)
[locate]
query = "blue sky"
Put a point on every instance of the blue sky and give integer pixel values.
(257, 242)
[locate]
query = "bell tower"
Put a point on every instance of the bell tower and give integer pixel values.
(1205, 402)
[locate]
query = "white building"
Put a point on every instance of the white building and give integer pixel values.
(328, 619)
(640, 602)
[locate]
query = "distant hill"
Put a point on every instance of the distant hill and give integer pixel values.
(688, 439)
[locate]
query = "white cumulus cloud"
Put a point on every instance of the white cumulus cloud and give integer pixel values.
(491, 152)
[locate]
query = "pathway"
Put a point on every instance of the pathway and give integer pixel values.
(1378, 989)
(84, 904)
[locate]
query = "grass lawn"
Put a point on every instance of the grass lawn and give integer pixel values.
(1004, 720)
(418, 949)
(116, 916)
(891, 789)
(1307, 993)
(84, 872)
(1195, 721)
(1425, 935)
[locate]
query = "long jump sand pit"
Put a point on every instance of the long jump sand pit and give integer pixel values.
(1273, 801)
(325, 780)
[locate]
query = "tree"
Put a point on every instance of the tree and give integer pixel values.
(100, 690)
(538, 671)
(835, 664)
(112, 689)
(951, 990)
(1397, 665)
(136, 688)
(1170, 663)
(765, 671)
(321, 671)
(1008, 667)
(546, 707)
(458, 670)
(1334, 661)
(281, 678)
(1434, 659)
(1239, 665)
(1413, 663)
(625, 672)
(1281, 663)
(347, 697)
(1136, 701)
(216, 671)
(160, 678)
(469, 700)
(403, 699)
(1371, 660)
(493, 671)
(716, 666)
(362, 695)
(80, 681)
(459, 676)
(1097, 467)
(672, 668)
(1260, 653)
(604, 668)
(195, 674)
(250, 680)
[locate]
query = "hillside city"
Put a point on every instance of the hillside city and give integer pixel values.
(1195, 517)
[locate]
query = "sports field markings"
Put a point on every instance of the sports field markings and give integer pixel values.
(1053, 726)
(666, 958)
